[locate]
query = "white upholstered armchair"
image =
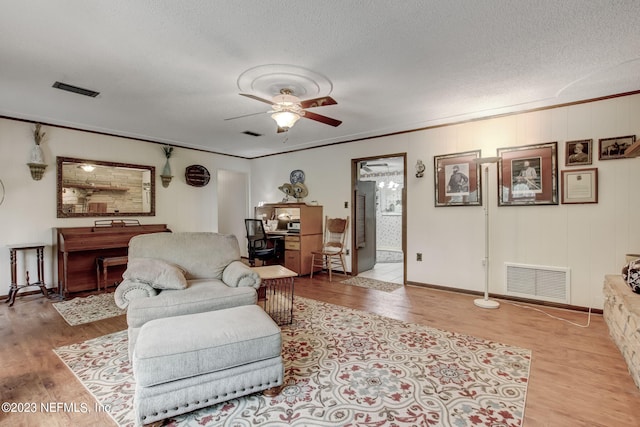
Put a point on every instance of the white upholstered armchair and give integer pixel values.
(173, 274)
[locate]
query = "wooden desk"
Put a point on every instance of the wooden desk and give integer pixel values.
(276, 292)
(13, 290)
(297, 246)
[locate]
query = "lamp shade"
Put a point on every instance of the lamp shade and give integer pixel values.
(285, 119)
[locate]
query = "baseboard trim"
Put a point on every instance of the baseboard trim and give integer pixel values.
(508, 298)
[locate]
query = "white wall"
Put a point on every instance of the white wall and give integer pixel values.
(589, 239)
(28, 213)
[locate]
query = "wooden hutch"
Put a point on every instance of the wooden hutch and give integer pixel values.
(297, 244)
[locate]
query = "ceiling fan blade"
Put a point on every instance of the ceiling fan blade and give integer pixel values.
(322, 119)
(246, 115)
(257, 98)
(318, 102)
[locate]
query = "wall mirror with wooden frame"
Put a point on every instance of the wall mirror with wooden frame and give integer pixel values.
(92, 188)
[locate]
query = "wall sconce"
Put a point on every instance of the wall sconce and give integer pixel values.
(37, 165)
(37, 170)
(166, 176)
(419, 169)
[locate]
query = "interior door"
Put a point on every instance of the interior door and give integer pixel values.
(365, 225)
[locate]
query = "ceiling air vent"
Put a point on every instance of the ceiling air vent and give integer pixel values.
(248, 132)
(76, 89)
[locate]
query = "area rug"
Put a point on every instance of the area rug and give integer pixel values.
(344, 367)
(364, 282)
(78, 310)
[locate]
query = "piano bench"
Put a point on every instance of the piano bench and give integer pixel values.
(103, 263)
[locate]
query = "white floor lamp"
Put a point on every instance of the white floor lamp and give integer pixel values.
(486, 302)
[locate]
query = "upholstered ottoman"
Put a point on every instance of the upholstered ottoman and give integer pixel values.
(188, 362)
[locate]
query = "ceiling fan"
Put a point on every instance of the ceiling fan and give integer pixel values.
(366, 166)
(287, 108)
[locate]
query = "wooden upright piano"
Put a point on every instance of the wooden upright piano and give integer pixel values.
(78, 248)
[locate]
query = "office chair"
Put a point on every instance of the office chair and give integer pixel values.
(332, 253)
(258, 243)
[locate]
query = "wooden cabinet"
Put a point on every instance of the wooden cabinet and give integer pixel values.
(292, 260)
(297, 245)
(297, 251)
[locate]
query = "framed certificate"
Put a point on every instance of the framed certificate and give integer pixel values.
(580, 186)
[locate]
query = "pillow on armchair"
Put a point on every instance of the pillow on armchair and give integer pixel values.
(155, 272)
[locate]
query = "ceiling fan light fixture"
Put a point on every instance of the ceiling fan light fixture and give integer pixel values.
(286, 100)
(286, 109)
(285, 119)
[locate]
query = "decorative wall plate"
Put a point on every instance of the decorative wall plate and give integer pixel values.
(197, 175)
(296, 176)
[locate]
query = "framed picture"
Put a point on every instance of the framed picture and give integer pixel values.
(614, 148)
(528, 175)
(580, 186)
(457, 179)
(578, 153)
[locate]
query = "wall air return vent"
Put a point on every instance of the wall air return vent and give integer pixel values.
(76, 89)
(538, 282)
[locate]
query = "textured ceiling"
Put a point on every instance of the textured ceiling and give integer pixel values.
(168, 70)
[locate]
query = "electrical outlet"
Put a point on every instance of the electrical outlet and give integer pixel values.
(347, 252)
(346, 205)
(418, 256)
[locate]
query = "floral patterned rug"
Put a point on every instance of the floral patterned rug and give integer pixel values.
(364, 282)
(78, 310)
(344, 367)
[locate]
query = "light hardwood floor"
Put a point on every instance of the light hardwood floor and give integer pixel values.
(578, 377)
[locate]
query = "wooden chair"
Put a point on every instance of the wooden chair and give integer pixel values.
(258, 242)
(332, 253)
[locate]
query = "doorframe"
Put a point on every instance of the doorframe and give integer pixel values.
(355, 174)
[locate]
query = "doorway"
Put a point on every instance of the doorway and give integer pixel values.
(233, 200)
(379, 212)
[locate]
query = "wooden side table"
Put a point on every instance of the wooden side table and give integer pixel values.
(276, 292)
(13, 250)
